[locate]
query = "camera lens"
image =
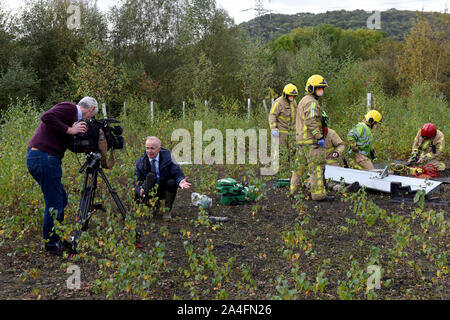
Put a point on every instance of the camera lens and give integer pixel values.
(118, 142)
(117, 130)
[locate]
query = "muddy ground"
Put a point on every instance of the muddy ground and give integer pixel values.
(253, 236)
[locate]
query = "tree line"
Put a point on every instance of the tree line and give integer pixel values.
(191, 50)
(395, 23)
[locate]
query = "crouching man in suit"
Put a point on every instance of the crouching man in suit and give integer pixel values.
(156, 168)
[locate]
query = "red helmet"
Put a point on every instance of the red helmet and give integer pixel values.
(428, 131)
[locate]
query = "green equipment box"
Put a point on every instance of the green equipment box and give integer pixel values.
(283, 183)
(234, 193)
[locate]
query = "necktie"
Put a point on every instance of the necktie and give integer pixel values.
(152, 162)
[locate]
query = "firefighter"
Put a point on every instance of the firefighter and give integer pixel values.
(334, 147)
(360, 142)
(282, 114)
(428, 147)
(311, 140)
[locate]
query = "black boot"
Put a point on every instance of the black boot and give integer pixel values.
(327, 198)
(170, 199)
(352, 187)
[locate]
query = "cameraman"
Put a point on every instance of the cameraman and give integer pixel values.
(46, 149)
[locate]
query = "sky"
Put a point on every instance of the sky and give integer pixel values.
(235, 7)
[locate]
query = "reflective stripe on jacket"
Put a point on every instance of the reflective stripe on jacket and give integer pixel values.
(424, 147)
(308, 121)
(333, 143)
(362, 136)
(282, 114)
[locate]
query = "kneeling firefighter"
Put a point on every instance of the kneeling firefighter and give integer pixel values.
(428, 147)
(360, 142)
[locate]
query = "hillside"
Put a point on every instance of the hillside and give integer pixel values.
(396, 23)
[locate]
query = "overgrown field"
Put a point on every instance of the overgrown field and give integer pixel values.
(275, 248)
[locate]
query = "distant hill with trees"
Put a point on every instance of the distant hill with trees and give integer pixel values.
(192, 51)
(396, 23)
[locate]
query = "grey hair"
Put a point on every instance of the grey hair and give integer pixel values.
(88, 102)
(154, 138)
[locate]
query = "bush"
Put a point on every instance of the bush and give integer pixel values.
(17, 82)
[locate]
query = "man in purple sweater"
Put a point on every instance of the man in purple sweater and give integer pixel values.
(46, 149)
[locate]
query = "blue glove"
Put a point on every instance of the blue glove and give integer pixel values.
(275, 132)
(321, 143)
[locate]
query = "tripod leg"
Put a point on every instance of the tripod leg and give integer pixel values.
(86, 203)
(113, 193)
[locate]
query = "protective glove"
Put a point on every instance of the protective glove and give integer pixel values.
(355, 149)
(275, 133)
(321, 143)
(414, 158)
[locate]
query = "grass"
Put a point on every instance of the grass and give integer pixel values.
(414, 238)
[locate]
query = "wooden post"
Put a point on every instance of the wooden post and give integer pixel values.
(124, 109)
(265, 105)
(104, 110)
(151, 110)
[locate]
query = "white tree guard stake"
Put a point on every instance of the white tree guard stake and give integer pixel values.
(124, 109)
(104, 110)
(265, 105)
(248, 108)
(184, 107)
(369, 101)
(151, 110)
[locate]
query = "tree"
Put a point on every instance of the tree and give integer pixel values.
(256, 71)
(206, 29)
(48, 44)
(425, 54)
(314, 59)
(17, 82)
(195, 78)
(141, 27)
(6, 39)
(95, 74)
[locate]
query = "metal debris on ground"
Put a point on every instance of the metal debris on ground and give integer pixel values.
(379, 181)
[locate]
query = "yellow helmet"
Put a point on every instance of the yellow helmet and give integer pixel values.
(315, 81)
(373, 116)
(290, 90)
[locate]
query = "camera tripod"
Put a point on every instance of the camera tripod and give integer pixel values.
(87, 206)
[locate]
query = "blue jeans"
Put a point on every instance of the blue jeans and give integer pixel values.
(46, 170)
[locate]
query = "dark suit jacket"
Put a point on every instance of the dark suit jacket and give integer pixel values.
(167, 169)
